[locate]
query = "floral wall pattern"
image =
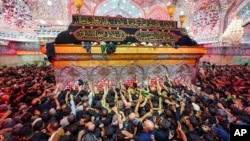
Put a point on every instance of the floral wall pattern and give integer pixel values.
(202, 16)
(15, 13)
(112, 75)
(246, 35)
(206, 20)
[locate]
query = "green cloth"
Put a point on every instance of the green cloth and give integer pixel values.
(145, 94)
(213, 66)
(104, 51)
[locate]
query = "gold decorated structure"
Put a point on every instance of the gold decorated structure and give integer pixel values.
(169, 44)
(75, 55)
(101, 34)
(121, 22)
(120, 29)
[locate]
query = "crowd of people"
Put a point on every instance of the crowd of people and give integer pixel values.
(34, 107)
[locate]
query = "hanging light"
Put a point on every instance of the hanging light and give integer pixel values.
(49, 2)
(78, 5)
(182, 18)
(171, 10)
(234, 32)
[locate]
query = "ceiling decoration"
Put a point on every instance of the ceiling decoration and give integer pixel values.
(206, 21)
(146, 3)
(27, 20)
(244, 13)
(158, 13)
(122, 8)
(246, 35)
(31, 20)
(225, 4)
(15, 13)
(51, 12)
(234, 33)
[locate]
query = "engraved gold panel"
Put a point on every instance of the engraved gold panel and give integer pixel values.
(75, 49)
(75, 55)
(93, 63)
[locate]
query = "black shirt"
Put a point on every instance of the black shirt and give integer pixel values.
(105, 122)
(79, 114)
(196, 132)
(95, 114)
(39, 136)
(161, 135)
(224, 124)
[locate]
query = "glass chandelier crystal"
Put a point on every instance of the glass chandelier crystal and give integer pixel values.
(234, 32)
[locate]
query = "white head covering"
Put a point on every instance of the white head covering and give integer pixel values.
(196, 107)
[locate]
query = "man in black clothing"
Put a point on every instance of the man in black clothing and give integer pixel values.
(38, 126)
(221, 115)
(162, 134)
(106, 118)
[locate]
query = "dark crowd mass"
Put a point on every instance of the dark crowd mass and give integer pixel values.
(34, 107)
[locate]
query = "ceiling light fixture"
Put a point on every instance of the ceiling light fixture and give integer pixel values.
(171, 10)
(234, 32)
(59, 22)
(78, 5)
(42, 21)
(49, 2)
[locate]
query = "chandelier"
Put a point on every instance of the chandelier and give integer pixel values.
(234, 32)
(171, 11)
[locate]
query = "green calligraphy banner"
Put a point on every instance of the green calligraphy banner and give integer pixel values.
(156, 36)
(120, 22)
(99, 34)
(116, 35)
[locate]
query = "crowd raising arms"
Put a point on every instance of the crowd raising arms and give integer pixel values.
(35, 107)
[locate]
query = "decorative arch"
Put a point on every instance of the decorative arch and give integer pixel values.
(243, 11)
(181, 72)
(125, 8)
(227, 13)
(103, 75)
(71, 74)
(132, 73)
(230, 12)
(158, 13)
(157, 71)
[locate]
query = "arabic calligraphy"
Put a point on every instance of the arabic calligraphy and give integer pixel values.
(156, 36)
(123, 22)
(100, 34)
